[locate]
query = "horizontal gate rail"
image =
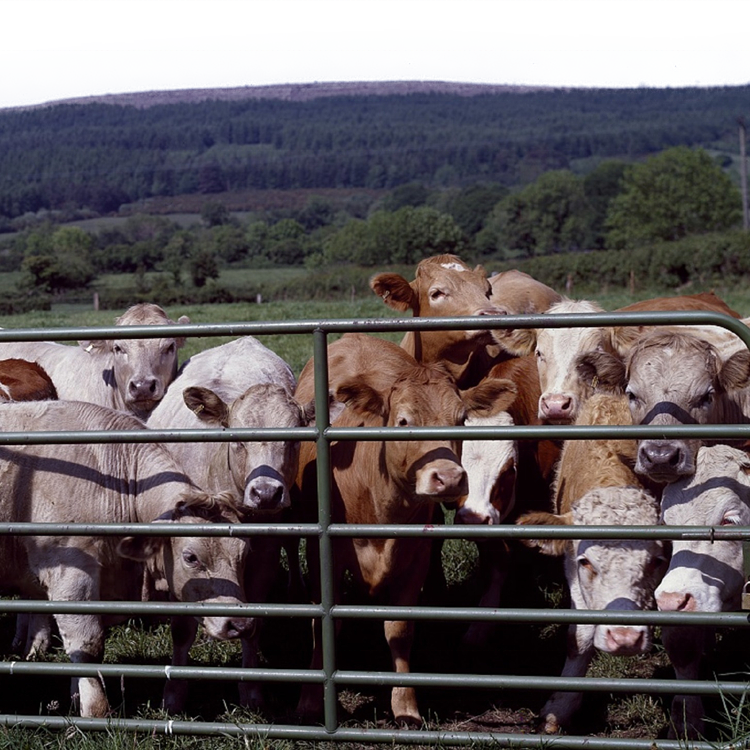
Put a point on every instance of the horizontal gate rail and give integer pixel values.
(325, 531)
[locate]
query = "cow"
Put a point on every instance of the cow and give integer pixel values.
(515, 476)
(21, 380)
(127, 374)
(238, 384)
(558, 349)
(101, 484)
(671, 377)
(386, 481)
(703, 575)
(596, 485)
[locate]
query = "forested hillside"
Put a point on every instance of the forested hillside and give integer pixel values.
(101, 155)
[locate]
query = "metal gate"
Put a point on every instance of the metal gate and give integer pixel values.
(331, 677)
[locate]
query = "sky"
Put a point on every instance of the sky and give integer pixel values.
(58, 49)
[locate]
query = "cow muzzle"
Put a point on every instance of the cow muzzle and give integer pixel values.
(664, 461)
(623, 640)
(558, 408)
(442, 478)
(265, 490)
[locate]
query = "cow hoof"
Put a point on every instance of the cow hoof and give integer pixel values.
(407, 721)
(550, 725)
(175, 696)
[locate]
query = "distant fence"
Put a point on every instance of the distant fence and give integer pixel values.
(323, 434)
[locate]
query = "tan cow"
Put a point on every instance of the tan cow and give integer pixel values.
(99, 484)
(126, 374)
(671, 378)
(564, 389)
(239, 384)
(386, 481)
(596, 485)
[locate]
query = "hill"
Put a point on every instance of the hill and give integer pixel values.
(103, 152)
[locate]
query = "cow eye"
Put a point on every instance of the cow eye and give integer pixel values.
(584, 564)
(436, 293)
(170, 349)
(730, 519)
(705, 400)
(402, 421)
(632, 398)
(190, 559)
(117, 349)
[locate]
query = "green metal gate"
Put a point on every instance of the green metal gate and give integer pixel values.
(323, 434)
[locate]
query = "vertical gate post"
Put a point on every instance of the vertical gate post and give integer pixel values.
(328, 628)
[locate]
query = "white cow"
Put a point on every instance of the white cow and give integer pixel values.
(108, 483)
(238, 384)
(703, 575)
(126, 374)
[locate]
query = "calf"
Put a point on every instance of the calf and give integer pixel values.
(99, 484)
(703, 575)
(386, 481)
(595, 485)
(238, 384)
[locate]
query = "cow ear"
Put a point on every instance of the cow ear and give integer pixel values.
(602, 371)
(140, 548)
(180, 340)
(360, 397)
(395, 291)
(516, 341)
(206, 405)
(623, 338)
(553, 547)
(490, 397)
(735, 372)
(96, 346)
(308, 412)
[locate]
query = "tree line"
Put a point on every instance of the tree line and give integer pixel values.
(676, 194)
(101, 156)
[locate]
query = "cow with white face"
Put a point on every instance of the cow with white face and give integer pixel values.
(126, 374)
(703, 575)
(613, 575)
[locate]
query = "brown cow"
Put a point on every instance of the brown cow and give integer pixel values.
(21, 380)
(672, 377)
(596, 485)
(376, 481)
(558, 349)
(444, 286)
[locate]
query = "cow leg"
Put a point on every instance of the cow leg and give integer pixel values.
(493, 562)
(184, 630)
(560, 708)
(686, 648)
(261, 568)
(400, 636)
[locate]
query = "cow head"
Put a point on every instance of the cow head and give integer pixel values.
(140, 369)
(261, 472)
(209, 570)
(557, 351)
(444, 287)
(609, 574)
(491, 467)
(706, 575)
(670, 378)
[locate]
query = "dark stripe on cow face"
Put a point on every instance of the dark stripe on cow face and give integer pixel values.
(671, 409)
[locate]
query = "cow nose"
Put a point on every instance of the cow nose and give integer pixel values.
(661, 456)
(556, 406)
(472, 517)
(445, 478)
(232, 627)
(675, 601)
(142, 387)
(625, 641)
(265, 494)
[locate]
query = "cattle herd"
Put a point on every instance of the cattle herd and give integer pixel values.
(496, 377)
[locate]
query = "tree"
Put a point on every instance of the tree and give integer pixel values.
(58, 261)
(547, 216)
(676, 193)
(203, 266)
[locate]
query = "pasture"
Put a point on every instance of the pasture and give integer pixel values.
(518, 649)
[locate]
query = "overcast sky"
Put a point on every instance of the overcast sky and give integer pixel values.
(56, 49)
